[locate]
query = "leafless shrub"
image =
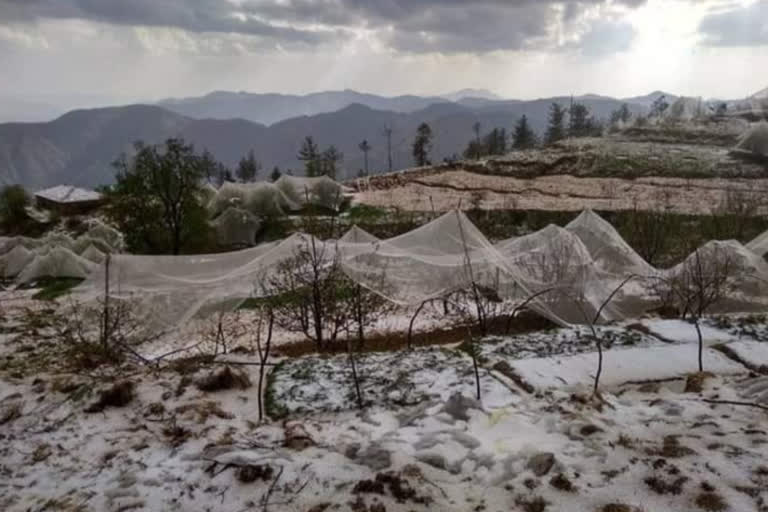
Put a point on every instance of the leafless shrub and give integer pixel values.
(702, 281)
(307, 285)
(650, 231)
(105, 332)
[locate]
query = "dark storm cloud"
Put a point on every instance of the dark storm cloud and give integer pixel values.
(739, 26)
(447, 26)
(193, 15)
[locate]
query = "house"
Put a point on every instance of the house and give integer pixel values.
(68, 200)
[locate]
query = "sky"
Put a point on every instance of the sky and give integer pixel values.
(56, 55)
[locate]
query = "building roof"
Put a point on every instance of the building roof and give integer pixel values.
(68, 194)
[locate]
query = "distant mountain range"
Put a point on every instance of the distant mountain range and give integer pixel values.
(272, 108)
(78, 147)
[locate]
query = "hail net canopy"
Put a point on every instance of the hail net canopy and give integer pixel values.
(565, 274)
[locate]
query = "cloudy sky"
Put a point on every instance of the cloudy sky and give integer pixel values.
(71, 53)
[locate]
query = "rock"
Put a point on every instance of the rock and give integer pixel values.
(351, 450)
(122, 505)
(297, 437)
(375, 457)
(458, 406)
(674, 411)
(589, 429)
(466, 440)
(541, 463)
(10, 410)
(433, 459)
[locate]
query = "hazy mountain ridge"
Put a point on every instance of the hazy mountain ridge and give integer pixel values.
(273, 108)
(79, 147)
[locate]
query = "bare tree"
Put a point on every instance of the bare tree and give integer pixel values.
(732, 216)
(651, 231)
(307, 284)
(593, 320)
(699, 283)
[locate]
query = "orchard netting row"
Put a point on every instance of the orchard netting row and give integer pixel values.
(582, 273)
(57, 254)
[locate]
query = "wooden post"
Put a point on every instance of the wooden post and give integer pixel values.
(105, 332)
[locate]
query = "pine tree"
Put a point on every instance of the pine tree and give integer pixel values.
(478, 145)
(524, 136)
(620, 117)
(495, 143)
(556, 127)
(659, 106)
(248, 168)
(310, 155)
(329, 161)
(579, 124)
(275, 174)
(422, 145)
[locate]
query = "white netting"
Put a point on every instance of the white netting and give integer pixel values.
(94, 255)
(14, 261)
(236, 227)
(755, 141)
(261, 199)
(685, 109)
(58, 254)
(606, 247)
(571, 271)
(321, 190)
(58, 262)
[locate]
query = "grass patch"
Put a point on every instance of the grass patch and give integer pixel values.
(119, 395)
(225, 378)
(51, 288)
(274, 409)
(711, 502)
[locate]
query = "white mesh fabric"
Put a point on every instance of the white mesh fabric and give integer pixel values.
(606, 247)
(57, 262)
(13, 262)
(320, 190)
(236, 227)
(571, 270)
(94, 255)
(755, 140)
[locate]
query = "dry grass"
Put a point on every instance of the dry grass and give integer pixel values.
(225, 378)
(711, 502)
(119, 395)
(395, 341)
(205, 410)
(695, 381)
(562, 483)
(537, 504)
(662, 487)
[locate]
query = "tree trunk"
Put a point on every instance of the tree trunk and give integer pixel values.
(599, 363)
(474, 366)
(701, 344)
(263, 357)
(410, 325)
(105, 334)
(358, 393)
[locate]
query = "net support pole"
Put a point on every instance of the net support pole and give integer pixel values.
(105, 331)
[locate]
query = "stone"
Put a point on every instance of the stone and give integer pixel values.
(375, 457)
(541, 463)
(458, 406)
(433, 459)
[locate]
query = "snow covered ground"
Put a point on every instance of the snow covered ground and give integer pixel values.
(424, 441)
